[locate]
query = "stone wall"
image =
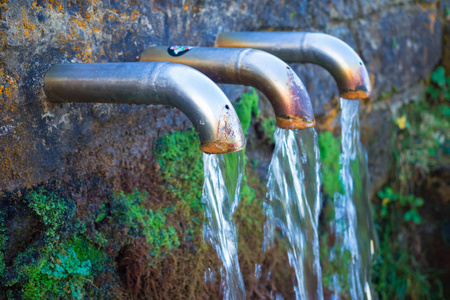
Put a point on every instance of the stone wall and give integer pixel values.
(399, 40)
(41, 142)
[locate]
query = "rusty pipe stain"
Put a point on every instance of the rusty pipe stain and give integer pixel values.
(180, 86)
(327, 51)
(262, 70)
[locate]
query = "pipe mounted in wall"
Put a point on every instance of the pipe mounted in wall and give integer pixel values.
(203, 102)
(331, 53)
(262, 70)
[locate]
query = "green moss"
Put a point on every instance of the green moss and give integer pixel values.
(61, 263)
(54, 210)
(269, 127)
(180, 159)
(129, 212)
(65, 271)
(246, 108)
(329, 157)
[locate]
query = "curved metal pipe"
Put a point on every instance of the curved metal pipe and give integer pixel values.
(203, 102)
(331, 53)
(262, 70)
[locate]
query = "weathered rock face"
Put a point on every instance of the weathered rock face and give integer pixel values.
(446, 36)
(409, 37)
(42, 142)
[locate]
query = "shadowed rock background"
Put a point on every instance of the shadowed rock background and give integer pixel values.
(92, 203)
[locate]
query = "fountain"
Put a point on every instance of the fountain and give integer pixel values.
(353, 83)
(294, 205)
(223, 176)
(214, 119)
(294, 201)
(288, 97)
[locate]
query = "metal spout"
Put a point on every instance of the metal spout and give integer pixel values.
(331, 53)
(262, 70)
(203, 102)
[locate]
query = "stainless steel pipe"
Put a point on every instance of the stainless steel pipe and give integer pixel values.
(203, 102)
(262, 70)
(331, 53)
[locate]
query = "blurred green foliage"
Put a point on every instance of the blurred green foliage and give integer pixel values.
(247, 108)
(440, 84)
(421, 143)
(410, 202)
(127, 210)
(330, 150)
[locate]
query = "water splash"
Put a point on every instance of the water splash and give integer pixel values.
(258, 271)
(223, 176)
(356, 241)
(210, 276)
(294, 205)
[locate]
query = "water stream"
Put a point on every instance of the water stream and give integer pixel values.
(223, 176)
(356, 241)
(294, 205)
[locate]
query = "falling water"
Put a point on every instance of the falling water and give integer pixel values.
(294, 205)
(223, 175)
(356, 240)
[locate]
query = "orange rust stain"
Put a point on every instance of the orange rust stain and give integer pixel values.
(83, 30)
(218, 147)
(26, 25)
(294, 123)
(186, 7)
(354, 95)
(134, 15)
(81, 23)
(3, 7)
(432, 18)
(8, 91)
(54, 5)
